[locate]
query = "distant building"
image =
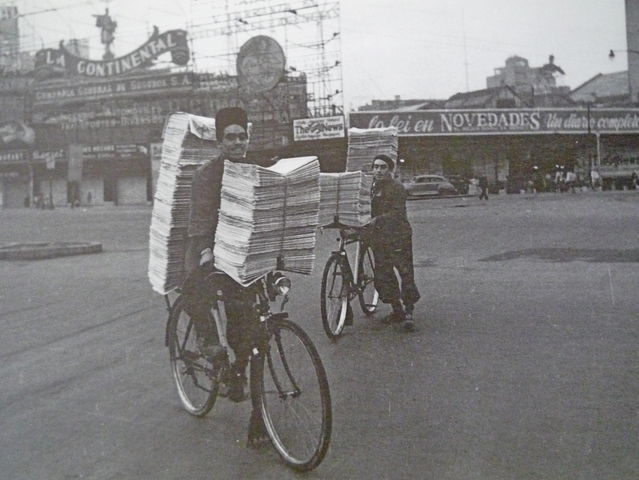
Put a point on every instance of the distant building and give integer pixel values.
(78, 47)
(72, 128)
(632, 39)
(9, 39)
(496, 97)
(521, 77)
(610, 90)
(401, 104)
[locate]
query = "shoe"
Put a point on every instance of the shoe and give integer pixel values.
(236, 383)
(393, 317)
(408, 325)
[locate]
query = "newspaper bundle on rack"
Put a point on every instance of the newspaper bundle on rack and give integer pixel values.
(188, 141)
(266, 213)
(365, 143)
(346, 196)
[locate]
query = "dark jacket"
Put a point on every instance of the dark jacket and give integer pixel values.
(206, 195)
(388, 208)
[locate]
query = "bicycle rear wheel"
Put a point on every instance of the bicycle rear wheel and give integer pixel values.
(334, 296)
(290, 388)
(368, 295)
(196, 380)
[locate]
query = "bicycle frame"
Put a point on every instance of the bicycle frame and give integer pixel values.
(263, 295)
(346, 239)
(262, 306)
(278, 348)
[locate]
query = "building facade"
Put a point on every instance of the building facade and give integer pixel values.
(632, 39)
(98, 141)
(510, 146)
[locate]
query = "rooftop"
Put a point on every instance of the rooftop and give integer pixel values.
(602, 87)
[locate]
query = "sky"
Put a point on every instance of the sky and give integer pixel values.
(411, 48)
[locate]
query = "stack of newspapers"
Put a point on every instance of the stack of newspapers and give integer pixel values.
(268, 218)
(345, 197)
(365, 143)
(188, 141)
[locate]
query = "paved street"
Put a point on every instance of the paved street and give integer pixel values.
(525, 365)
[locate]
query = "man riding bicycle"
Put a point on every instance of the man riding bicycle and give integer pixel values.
(231, 128)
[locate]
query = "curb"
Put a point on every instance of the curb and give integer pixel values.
(42, 250)
(410, 198)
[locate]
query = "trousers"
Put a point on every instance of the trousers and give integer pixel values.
(391, 257)
(199, 291)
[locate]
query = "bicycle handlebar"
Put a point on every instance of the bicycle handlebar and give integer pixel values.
(343, 226)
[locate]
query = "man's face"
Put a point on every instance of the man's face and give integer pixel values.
(381, 170)
(234, 142)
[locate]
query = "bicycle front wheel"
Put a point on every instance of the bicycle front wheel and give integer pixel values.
(195, 379)
(368, 295)
(334, 299)
(289, 386)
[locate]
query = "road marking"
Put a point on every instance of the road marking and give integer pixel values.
(612, 290)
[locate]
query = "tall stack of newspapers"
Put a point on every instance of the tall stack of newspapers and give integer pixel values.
(345, 197)
(188, 141)
(268, 218)
(365, 143)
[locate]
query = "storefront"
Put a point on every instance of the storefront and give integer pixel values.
(14, 179)
(102, 138)
(506, 145)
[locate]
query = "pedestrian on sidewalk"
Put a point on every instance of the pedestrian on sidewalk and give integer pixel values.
(483, 185)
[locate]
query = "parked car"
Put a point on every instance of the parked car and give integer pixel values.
(460, 183)
(423, 185)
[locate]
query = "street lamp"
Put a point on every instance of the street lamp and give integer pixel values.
(611, 55)
(633, 81)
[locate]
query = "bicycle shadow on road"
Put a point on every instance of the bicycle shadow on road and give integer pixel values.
(595, 255)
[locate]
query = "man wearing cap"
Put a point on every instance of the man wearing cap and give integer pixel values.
(390, 236)
(231, 129)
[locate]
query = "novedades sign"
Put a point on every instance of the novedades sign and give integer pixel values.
(497, 122)
(50, 62)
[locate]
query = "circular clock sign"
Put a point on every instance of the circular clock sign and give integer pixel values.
(260, 64)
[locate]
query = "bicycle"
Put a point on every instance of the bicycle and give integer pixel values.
(340, 286)
(288, 383)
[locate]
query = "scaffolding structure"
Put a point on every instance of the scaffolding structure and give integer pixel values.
(308, 31)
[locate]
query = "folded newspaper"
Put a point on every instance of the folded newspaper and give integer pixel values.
(345, 197)
(188, 141)
(365, 143)
(268, 218)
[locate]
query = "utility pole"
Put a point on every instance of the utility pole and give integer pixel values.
(465, 50)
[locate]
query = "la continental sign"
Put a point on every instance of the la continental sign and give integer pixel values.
(51, 62)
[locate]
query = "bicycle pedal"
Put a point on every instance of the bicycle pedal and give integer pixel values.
(190, 356)
(238, 399)
(223, 390)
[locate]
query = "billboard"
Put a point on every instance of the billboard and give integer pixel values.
(51, 62)
(501, 121)
(260, 64)
(124, 87)
(16, 134)
(318, 128)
